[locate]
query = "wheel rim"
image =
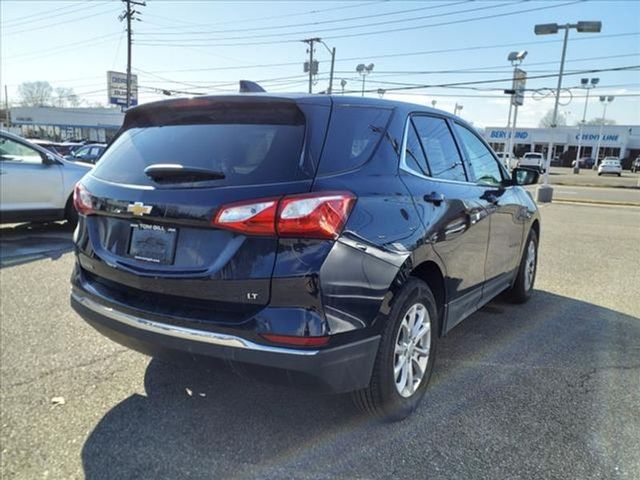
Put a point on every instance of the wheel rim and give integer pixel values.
(412, 347)
(530, 266)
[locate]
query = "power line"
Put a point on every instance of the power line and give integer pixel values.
(400, 54)
(278, 27)
(60, 48)
(376, 32)
(58, 22)
(226, 22)
(500, 80)
(350, 27)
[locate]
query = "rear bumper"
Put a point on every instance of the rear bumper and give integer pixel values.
(333, 370)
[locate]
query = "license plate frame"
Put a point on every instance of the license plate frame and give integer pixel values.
(150, 243)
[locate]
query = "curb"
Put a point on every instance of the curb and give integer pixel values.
(597, 202)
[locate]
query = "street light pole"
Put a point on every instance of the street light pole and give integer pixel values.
(605, 102)
(545, 192)
(584, 82)
(516, 98)
(364, 70)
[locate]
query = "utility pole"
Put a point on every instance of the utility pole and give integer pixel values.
(6, 106)
(311, 68)
(333, 61)
(129, 14)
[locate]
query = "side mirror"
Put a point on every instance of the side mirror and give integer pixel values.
(49, 159)
(524, 176)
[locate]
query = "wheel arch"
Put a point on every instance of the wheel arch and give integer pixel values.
(431, 273)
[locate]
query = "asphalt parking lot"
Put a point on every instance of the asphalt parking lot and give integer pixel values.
(545, 390)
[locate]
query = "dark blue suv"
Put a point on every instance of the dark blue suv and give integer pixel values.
(323, 241)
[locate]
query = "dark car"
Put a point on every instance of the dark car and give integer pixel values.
(323, 241)
(584, 162)
(89, 153)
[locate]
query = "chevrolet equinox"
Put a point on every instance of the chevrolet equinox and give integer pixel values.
(324, 241)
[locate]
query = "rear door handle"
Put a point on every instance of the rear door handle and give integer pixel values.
(434, 197)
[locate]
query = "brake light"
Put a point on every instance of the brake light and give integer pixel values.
(314, 215)
(296, 341)
(253, 218)
(82, 200)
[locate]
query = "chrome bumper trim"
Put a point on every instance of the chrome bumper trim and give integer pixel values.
(184, 333)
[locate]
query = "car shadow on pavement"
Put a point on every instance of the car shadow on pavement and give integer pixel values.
(516, 389)
(26, 242)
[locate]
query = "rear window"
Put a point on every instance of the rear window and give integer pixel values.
(245, 153)
(354, 133)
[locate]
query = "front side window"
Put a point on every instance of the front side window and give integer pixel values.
(440, 149)
(13, 151)
(484, 166)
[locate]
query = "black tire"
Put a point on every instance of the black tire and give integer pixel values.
(70, 213)
(381, 398)
(520, 292)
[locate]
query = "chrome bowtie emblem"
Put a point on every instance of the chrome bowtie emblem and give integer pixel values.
(139, 208)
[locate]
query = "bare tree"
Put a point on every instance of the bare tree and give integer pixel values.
(65, 97)
(547, 120)
(35, 94)
(598, 121)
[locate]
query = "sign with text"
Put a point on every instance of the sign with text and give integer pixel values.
(117, 88)
(519, 82)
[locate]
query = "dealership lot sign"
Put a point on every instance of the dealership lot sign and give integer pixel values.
(117, 88)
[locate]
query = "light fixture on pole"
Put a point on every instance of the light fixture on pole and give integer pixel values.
(587, 85)
(381, 92)
(517, 97)
(457, 108)
(433, 103)
(605, 103)
(545, 192)
(343, 83)
(364, 70)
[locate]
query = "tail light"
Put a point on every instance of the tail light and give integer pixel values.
(296, 341)
(82, 201)
(315, 215)
(252, 218)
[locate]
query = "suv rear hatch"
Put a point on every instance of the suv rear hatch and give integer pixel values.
(155, 193)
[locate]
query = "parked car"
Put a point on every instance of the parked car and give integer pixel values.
(610, 165)
(50, 145)
(585, 162)
(533, 160)
(35, 184)
(635, 165)
(88, 153)
(326, 241)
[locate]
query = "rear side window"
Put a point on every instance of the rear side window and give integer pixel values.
(244, 153)
(439, 147)
(353, 135)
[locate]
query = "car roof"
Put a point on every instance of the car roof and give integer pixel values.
(294, 98)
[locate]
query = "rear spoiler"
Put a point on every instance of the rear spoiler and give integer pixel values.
(247, 86)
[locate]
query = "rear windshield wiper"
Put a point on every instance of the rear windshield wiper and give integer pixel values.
(176, 173)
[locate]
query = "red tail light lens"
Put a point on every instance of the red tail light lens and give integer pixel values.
(296, 341)
(314, 215)
(82, 199)
(256, 217)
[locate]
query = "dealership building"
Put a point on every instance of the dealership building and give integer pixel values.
(622, 141)
(92, 124)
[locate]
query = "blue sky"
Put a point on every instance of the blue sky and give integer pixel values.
(207, 46)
